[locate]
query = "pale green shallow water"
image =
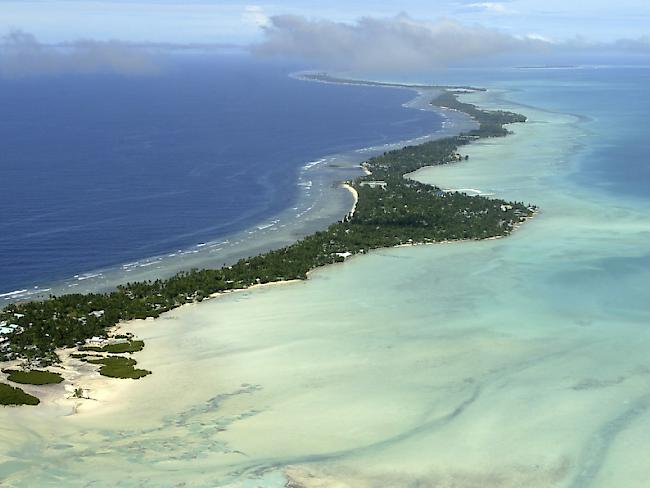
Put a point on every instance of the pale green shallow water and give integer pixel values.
(506, 363)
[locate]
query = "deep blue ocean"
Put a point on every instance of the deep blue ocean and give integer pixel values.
(98, 171)
(101, 170)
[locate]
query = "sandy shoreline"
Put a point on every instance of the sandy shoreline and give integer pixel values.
(355, 195)
(100, 392)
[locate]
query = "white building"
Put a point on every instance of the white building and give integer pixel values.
(375, 184)
(8, 329)
(96, 341)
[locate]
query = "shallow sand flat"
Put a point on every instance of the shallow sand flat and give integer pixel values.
(505, 363)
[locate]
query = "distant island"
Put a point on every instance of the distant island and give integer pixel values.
(550, 66)
(390, 210)
(327, 78)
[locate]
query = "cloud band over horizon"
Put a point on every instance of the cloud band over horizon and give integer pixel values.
(402, 44)
(21, 55)
(398, 44)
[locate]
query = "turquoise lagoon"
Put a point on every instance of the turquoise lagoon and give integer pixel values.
(505, 363)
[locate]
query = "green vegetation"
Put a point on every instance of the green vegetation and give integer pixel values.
(130, 347)
(33, 377)
(10, 395)
(490, 122)
(119, 367)
(392, 210)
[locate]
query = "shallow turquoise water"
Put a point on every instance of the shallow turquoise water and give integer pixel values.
(503, 363)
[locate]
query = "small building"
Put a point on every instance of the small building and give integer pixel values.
(344, 255)
(97, 313)
(375, 184)
(8, 329)
(115, 341)
(96, 341)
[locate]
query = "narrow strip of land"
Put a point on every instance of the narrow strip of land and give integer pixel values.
(390, 210)
(327, 78)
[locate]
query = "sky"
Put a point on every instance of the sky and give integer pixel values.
(88, 36)
(239, 22)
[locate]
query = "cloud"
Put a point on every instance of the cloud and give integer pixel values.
(22, 55)
(254, 14)
(641, 45)
(625, 46)
(539, 37)
(402, 44)
(492, 7)
(390, 44)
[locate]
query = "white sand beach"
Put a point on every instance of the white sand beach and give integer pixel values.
(355, 195)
